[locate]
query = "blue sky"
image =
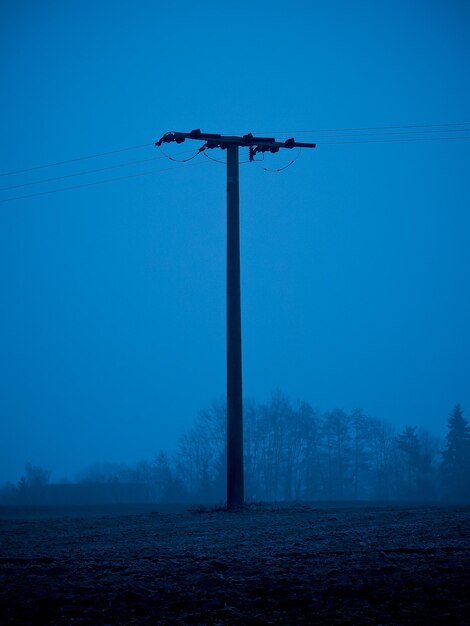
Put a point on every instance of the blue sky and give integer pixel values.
(355, 260)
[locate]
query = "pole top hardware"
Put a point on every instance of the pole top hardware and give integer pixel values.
(213, 140)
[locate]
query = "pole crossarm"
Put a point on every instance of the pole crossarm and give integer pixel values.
(213, 140)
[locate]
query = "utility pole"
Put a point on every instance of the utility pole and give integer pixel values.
(235, 479)
(235, 474)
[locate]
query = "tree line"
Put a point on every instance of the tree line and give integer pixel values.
(292, 452)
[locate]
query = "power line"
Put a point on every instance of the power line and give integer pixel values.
(318, 130)
(359, 128)
(74, 160)
(84, 172)
(332, 143)
(365, 141)
(98, 182)
(280, 169)
(387, 133)
(437, 128)
(170, 158)
(223, 162)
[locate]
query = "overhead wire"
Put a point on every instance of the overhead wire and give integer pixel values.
(74, 160)
(170, 158)
(82, 173)
(280, 169)
(390, 130)
(387, 133)
(446, 127)
(94, 183)
(92, 171)
(360, 128)
(408, 139)
(224, 162)
(256, 161)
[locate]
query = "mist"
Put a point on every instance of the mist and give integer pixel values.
(123, 498)
(354, 260)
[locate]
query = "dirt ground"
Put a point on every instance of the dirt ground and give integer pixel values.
(267, 565)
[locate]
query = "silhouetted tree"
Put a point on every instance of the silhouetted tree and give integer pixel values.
(32, 485)
(290, 452)
(428, 474)
(36, 476)
(313, 462)
(200, 456)
(105, 472)
(382, 444)
(361, 452)
(213, 426)
(338, 453)
(415, 476)
(408, 445)
(252, 451)
(456, 458)
(301, 449)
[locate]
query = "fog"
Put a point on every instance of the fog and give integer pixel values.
(354, 260)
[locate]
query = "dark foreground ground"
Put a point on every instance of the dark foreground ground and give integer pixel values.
(291, 565)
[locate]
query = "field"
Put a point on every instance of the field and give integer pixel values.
(312, 564)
